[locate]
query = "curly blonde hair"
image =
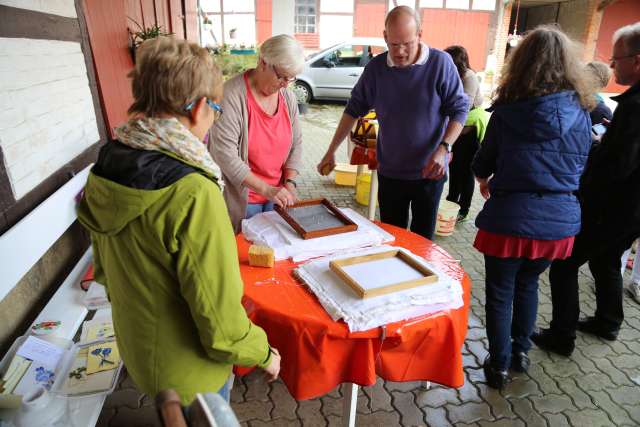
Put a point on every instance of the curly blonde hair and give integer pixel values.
(546, 61)
(169, 74)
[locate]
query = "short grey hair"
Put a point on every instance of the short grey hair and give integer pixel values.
(398, 11)
(600, 72)
(630, 36)
(285, 52)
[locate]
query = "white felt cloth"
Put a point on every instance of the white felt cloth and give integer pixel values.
(341, 302)
(269, 229)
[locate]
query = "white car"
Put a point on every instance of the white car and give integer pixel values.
(333, 72)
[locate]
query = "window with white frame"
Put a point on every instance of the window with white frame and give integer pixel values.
(305, 16)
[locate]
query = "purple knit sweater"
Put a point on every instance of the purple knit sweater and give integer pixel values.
(413, 105)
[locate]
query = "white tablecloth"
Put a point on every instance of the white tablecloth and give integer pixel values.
(269, 229)
(361, 314)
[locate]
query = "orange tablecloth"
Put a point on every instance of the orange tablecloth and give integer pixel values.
(318, 353)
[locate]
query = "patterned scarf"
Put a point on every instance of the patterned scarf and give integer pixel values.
(171, 136)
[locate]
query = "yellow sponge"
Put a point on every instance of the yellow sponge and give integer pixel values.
(261, 256)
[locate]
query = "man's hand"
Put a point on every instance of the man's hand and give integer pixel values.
(327, 164)
(437, 165)
(484, 187)
(273, 370)
(280, 196)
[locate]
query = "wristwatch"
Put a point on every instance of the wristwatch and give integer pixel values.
(295, 184)
(446, 145)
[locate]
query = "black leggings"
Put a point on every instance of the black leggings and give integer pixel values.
(461, 180)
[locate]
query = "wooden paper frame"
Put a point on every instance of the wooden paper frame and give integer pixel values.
(428, 275)
(347, 226)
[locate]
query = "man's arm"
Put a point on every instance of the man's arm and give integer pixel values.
(437, 166)
(328, 162)
(455, 105)
(360, 103)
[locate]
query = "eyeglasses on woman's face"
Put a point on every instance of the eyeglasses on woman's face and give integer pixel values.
(281, 77)
(217, 109)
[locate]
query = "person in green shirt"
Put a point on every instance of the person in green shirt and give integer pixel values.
(162, 239)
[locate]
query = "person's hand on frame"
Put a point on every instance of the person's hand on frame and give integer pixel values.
(273, 369)
(292, 189)
(281, 196)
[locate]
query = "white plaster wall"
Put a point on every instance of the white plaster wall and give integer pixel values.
(55, 7)
(283, 16)
(484, 4)
(344, 6)
(216, 27)
(431, 3)
(239, 6)
(210, 5)
(245, 25)
(335, 29)
(46, 110)
(410, 3)
(457, 4)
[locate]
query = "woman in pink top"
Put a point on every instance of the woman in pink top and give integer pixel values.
(257, 141)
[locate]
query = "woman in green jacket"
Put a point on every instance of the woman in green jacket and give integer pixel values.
(162, 240)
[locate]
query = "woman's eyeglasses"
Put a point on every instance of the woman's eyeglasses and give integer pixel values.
(282, 78)
(217, 109)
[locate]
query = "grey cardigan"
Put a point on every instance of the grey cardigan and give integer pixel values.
(229, 145)
(472, 89)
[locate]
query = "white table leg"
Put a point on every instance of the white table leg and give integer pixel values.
(373, 195)
(350, 402)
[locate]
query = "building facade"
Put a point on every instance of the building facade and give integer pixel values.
(321, 23)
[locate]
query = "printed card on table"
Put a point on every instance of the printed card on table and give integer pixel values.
(78, 382)
(100, 331)
(41, 351)
(102, 357)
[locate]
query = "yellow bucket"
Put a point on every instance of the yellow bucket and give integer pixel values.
(447, 214)
(346, 174)
(363, 187)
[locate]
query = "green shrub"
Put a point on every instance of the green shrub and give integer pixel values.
(230, 65)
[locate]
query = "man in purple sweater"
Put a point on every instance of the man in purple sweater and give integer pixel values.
(421, 107)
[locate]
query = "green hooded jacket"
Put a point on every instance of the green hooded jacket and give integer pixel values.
(168, 259)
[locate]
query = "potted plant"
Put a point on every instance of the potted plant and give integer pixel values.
(138, 37)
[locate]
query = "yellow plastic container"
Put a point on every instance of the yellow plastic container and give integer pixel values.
(345, 174)
(363, 187)
(447, 214)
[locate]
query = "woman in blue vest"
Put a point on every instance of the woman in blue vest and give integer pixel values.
(528, 168)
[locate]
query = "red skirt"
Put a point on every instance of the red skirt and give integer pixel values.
(504, 246)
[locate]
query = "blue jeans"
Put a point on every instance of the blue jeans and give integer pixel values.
(256, 208)
(511, 282)
(225, 390)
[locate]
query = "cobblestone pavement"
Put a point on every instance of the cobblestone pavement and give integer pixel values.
(599, 385)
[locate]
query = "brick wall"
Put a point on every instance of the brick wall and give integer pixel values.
(591, 30)
(580, 19)
(501, 39)
(308, 40)
(46, 109)
(51, 126)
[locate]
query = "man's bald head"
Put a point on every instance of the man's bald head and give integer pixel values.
(402, 35)
(402, 15)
